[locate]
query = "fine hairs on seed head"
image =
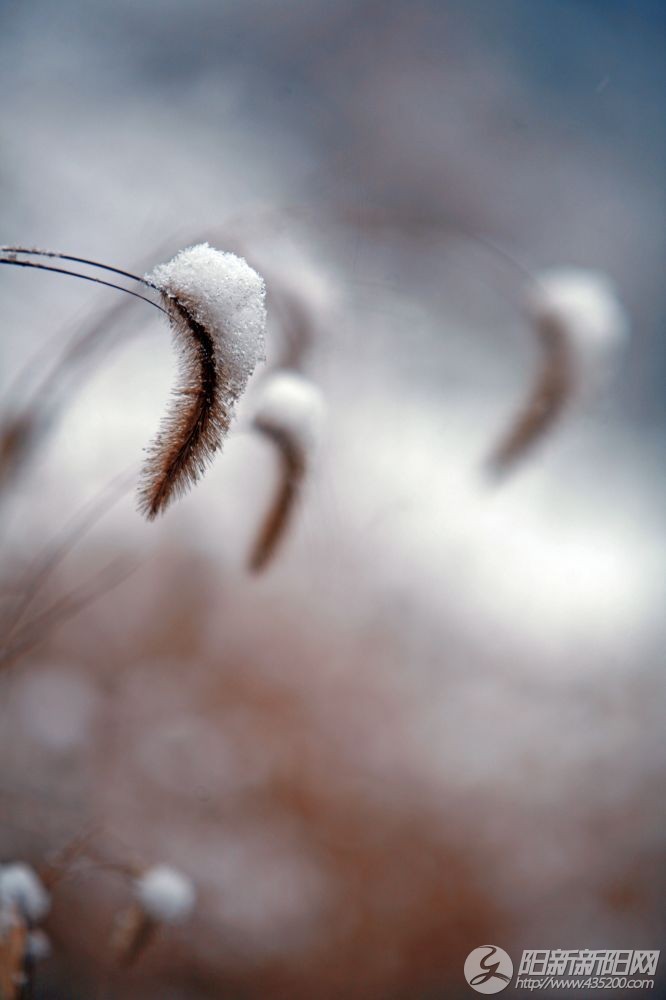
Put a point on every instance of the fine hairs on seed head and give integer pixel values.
(580, 325)
(290, 413)
(215, 304)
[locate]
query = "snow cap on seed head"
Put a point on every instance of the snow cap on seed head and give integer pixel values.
(292, 407)
(165, 895)
(226, 296)
(584, 305)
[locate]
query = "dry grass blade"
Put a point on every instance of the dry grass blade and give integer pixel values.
(60, 863)
(12, 252)
(77, 274)
(32, 411)
(59, 549)
(35, 630)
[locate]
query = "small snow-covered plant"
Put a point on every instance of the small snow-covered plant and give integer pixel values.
(215, 305)
(165, 895)
(22, 889)
(289, 413)
(23, 903)
(162, 895)
(579, 324)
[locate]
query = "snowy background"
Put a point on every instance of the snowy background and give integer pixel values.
(437, 719)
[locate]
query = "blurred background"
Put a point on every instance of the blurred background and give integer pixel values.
(436, 719)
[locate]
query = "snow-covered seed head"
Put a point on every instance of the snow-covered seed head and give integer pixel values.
(583, 305)
(20, 888)
(165, 895)
(290, 412)
(215, 303)
(580, 326)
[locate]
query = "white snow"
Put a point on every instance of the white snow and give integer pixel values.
(165, 894)
(20, 887)
(226, 296)
(292, 406)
